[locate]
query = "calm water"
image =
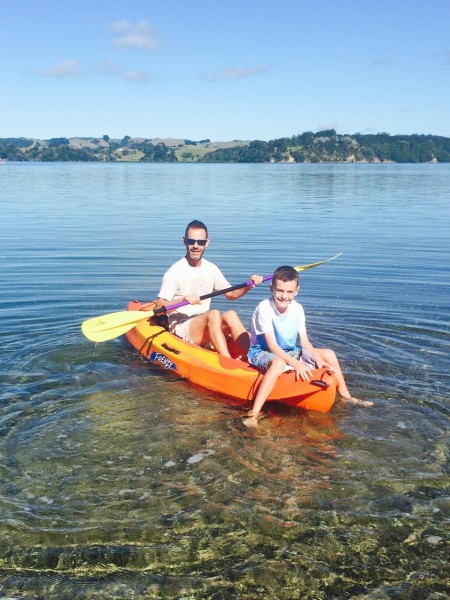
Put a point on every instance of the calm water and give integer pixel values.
(120, 481)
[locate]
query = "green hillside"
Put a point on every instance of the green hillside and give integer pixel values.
(308, 147)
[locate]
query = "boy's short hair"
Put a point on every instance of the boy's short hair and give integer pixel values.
(285, 273)
(196, 225)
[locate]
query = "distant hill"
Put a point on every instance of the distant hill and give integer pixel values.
(127, 149)
(323, 146)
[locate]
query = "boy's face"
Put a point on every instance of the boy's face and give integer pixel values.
(283, 293)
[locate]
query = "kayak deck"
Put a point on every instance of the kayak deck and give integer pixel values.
(228, 376)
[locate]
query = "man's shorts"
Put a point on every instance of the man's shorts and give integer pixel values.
(261, 358)
(181, 330)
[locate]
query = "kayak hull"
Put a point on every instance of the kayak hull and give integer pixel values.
(224, 375)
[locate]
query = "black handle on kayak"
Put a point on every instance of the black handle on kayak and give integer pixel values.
(320, 383)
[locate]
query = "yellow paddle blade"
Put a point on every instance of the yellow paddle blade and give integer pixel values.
(316, 264)
(112, 325)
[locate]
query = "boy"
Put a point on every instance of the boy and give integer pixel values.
(276, 324)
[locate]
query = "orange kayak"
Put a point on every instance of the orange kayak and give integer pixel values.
(227, 376)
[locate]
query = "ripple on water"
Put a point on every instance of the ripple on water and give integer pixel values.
(119, 480)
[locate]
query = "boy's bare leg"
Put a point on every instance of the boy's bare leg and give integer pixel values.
(276, 368)
(330, 358)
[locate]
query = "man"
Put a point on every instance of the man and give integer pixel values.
(194, 276)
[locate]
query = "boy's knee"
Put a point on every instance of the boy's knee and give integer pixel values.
(330, 355)
(278, 364)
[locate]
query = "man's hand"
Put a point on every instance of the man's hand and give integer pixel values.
(192, 299)
(257, 279)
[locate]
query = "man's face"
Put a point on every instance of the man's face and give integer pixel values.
(196, 243)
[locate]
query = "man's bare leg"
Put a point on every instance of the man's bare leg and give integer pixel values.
(232, 324)
(208, 327)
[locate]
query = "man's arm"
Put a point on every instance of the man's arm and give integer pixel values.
(160, 302)
(191, 298)
(257, 279)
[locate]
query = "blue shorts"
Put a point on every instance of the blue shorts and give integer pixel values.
(262, 358)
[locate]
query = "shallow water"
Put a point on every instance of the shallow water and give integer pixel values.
(119, 480)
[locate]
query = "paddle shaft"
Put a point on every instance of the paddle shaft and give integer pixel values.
(109, 326)
(238, 286)
(164, 309)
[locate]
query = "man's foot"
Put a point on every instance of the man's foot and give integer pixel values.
(353, 400)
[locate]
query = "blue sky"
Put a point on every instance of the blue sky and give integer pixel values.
(223, 69)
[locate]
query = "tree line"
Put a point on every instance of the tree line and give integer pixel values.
(308, 147)
(328, 146)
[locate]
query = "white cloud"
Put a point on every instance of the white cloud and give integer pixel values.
(326, 125)
(65, 69)
(111, 68)
(141, 35)
(131, 75)
(230, 73)
(71, 68)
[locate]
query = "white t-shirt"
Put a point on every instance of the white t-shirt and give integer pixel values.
(286, 326)
(181, 280)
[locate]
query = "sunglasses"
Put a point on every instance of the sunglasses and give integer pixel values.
(191, 242)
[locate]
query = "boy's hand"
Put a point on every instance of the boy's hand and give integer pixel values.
(302, 371)
(321, 364)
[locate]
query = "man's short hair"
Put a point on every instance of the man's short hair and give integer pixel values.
(195, 225)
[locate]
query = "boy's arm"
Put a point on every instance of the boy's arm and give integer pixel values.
(301, 369)
(306, 344)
